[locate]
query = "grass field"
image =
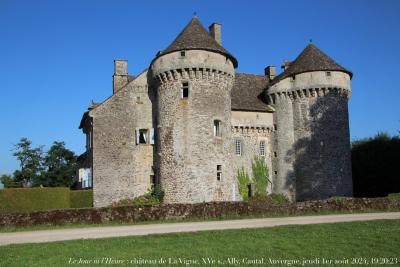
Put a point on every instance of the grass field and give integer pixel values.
(357, 242)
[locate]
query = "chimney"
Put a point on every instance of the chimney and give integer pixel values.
(285, 64)
(120, 77)
(215, 32)
(270, 72)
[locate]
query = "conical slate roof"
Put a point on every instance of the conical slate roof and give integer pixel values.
(311, 59)
(195, 37)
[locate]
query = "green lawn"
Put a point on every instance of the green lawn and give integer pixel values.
(340, 241)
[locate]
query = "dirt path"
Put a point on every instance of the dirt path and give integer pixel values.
(137, 230)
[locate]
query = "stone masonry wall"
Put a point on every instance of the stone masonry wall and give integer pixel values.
(121, 168)
(323, 164)
(250, 138)
(188, 151)
(317, 149)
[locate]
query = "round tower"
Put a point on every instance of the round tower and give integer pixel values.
(312, 136)
(194, 77)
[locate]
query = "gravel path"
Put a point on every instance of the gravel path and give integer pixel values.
(147, 229)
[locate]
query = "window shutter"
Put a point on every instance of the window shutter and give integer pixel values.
(137, 135)
(152, 136)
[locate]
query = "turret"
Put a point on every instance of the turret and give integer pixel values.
(194, 78)
(312, 128)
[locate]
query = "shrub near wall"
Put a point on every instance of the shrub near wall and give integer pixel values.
(81, 198)
(34, 199)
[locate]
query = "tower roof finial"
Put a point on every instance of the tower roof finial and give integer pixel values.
(310, 41)
(195, 15)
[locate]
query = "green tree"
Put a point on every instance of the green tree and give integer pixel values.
(260, 173)
(59, 166)
(30, 160)
(8, 181)
(375, 165)
(243, 182)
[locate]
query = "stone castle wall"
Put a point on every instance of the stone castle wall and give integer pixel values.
(316, 145)
(188, 151)
(121, 168)
(250, 138)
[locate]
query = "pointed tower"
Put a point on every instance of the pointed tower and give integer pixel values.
(194, 77)
(312, 127)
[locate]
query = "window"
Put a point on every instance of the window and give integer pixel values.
(219, 172)
(142, 136)
(293, 77)
(275, 154)
(183, 53)
(145, 136)
(217, 128)
(328, 74)
(238, 147)
(275, 127)
(262, 148)
(185, 90)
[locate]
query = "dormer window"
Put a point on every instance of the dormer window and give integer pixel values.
(185, 90)
(183, 53)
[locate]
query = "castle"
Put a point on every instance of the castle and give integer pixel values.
(189, 122)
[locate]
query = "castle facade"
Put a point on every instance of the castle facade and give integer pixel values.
(189, 122)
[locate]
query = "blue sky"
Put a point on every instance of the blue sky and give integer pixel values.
(56, 56)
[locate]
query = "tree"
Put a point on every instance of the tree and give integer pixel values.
(260, 173)
(59, 166)
(8, 181)
(30, 162)
(375, 165)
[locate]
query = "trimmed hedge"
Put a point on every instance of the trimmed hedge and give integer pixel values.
(200, 210)
(34, 199)
(81, 198)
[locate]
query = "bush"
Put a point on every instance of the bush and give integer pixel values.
(34, 199)
(243, 181)
(157, 193)
(394, 196)
(260, 173)
(153, 197)
(81, 198)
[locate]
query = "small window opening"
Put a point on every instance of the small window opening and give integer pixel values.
(183, 53)
(262, 148)
(185, 90)
(217, 128)
(143, 136)
(219, 172)
(275, 127)
(293, 77)
(275, 172)
(238, 147)
(328, 74)
(273, 99)
(275, 154)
